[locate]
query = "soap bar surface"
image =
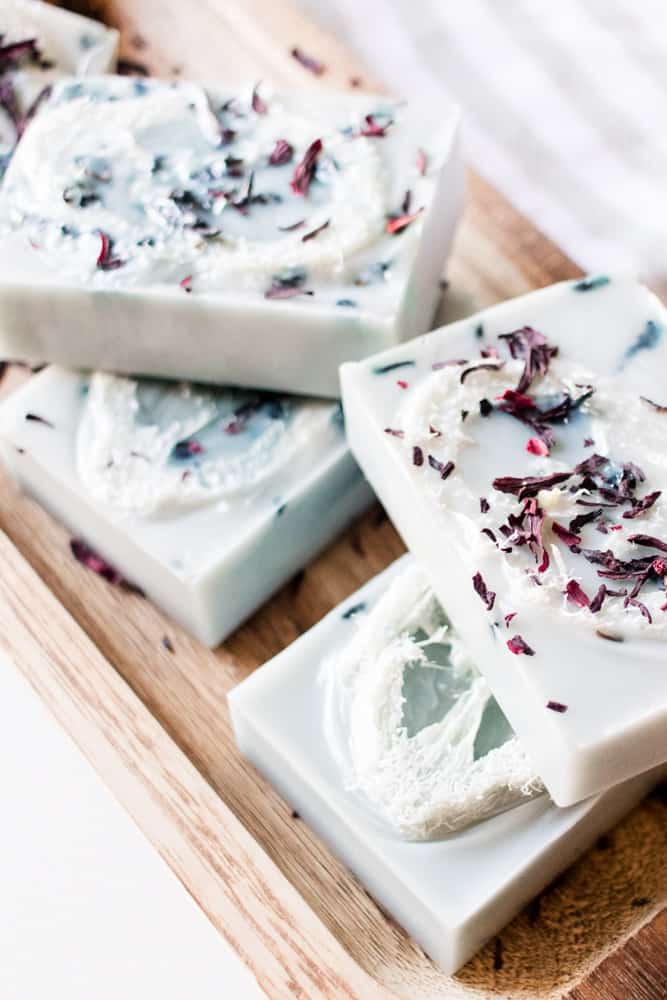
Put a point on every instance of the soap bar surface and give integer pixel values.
(40, 43)
(521, 454)
(239, 238)
(451, 893)
(206, 499)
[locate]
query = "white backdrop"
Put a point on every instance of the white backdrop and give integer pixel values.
(566, 105)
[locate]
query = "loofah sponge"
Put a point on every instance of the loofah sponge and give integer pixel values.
(413, 723)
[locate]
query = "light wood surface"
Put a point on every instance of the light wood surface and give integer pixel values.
(155, 723)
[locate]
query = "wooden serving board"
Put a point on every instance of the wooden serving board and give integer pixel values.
(155, 722)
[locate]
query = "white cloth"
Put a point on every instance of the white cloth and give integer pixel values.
(565, 107)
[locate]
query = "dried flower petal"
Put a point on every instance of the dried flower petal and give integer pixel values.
(105, 259)
(282, 153)
(397, 223)
(444, 468)
(315, 232)
(308, 62)
(87, 556)
(648, 540)
(656, 406)
(258, 104)
(529, 486)
(571, 540)
(487, 596)
(35, 418)
(484, 366)
(305, 169)
(535, 446)
(518, 645)
(372, 129)
(642, 505)
(576, 595)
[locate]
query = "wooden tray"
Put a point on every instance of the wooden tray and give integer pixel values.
(155, 724)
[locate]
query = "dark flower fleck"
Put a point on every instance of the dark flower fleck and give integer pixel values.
(444, 468)
(87, 556)
(282, 153)
(487, 596)
(398, 223)
(305, 169)
(518, 646)
(308, 62)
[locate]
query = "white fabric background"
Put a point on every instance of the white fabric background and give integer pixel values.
(565, 106)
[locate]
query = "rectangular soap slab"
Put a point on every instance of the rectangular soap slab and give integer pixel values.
(59, 43)
(450, 894)
(208, 527)
(250, 239)
(585, 691)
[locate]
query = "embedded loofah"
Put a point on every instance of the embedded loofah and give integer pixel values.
(415, 725)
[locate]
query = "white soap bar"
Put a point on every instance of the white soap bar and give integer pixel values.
(160, 229)
(207, 499)
(39, 43)
(456, 445)
(451, 893)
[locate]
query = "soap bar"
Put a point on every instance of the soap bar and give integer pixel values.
(521, 454)
(207, 499)
(242, 238)
(39, 43)
(451, 893)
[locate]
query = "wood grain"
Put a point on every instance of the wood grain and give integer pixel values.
(178, 797)
(251, 904)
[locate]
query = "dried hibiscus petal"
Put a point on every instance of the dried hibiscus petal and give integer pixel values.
(642, 505)
(105, 259)
(35, 418)
(576, 594)
(487, 596)
(305, 169)
(649, 541)
(315, 232)
(87, 556)
(444, 468)
(258, 104)
(373, 129)
(518, 646)
(397, 223)
(483, 366)
(529, 486)
(571, 540)
(308, 62)
(282, 153)
(536, 446)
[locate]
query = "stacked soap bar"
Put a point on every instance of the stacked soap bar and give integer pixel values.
(376, 726)
(39, 43)
(207, 499)
(521, 454)
(162, 229)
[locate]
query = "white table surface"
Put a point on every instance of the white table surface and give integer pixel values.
(88, 909)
